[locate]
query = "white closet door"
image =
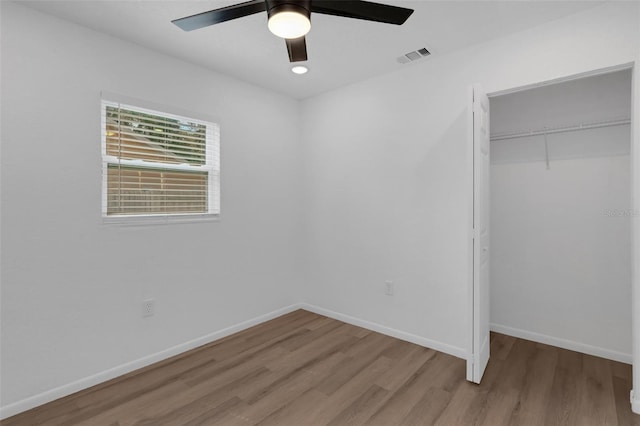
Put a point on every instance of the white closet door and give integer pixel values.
(481, 165)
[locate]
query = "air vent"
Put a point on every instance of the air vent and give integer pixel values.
(413, 56)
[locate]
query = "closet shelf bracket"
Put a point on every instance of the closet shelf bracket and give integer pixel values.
(546, 151)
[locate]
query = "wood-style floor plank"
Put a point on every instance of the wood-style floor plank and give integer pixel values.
(429, 408)
(406, 366)
(440, 371)
(362, 408)
(564, 405)
(297, 411)
(306, 369)
(536, 388)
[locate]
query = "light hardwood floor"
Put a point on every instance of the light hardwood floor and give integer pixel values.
(306, 369)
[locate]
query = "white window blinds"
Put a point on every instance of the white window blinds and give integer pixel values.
(158, 164)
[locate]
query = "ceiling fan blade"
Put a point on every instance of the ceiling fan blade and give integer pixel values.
(216, 16)
(297, 48)
(366, 10)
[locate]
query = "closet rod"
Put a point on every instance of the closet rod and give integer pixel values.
(561, 130)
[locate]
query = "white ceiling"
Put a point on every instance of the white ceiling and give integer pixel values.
(341, 50)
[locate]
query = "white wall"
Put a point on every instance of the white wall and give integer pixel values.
(388, 172)
(561, 238)
(71, 286)
(561, 260)
(635, 227)
(382, 193)
(593, 99)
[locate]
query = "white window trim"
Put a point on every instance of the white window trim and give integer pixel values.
(212, 165)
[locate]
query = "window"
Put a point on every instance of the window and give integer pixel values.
(156, 164)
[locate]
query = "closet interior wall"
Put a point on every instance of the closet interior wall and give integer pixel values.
(560, 215)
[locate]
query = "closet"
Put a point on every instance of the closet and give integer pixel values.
(560, 215)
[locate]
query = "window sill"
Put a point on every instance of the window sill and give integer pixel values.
(144, 220)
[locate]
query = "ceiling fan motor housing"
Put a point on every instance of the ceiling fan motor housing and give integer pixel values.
(276, 6)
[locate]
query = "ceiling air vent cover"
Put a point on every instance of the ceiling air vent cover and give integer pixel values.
(413, 56)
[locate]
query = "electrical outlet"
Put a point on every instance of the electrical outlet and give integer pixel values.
(148, 307)
(389, 288)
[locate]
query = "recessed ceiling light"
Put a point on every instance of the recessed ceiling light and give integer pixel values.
(299, 69)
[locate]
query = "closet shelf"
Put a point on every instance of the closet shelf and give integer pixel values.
(584, 126)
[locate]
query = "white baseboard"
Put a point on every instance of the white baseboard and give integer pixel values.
(563, 343)
(112, 373)
(418, 340)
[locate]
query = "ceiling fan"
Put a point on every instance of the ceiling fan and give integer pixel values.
(291, 19)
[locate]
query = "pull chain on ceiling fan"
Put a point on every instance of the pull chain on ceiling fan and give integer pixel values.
(291, 19)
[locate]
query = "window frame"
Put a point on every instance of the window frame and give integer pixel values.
(211, 166)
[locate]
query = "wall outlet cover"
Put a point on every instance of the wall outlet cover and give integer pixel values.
(148, 308)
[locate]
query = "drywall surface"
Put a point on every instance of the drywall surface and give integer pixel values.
(382, 193)
(561, 246)
(72, 286)
(388, 172)
(597, 99)
(561, 237)
(635, 227)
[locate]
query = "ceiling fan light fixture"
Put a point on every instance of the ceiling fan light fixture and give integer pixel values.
(289, 21)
